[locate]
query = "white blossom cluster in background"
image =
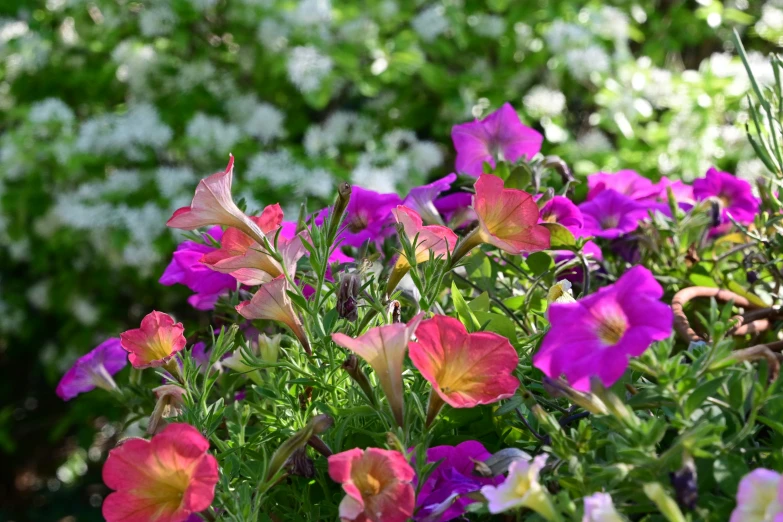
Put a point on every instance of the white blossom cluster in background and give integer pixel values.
(306, 93)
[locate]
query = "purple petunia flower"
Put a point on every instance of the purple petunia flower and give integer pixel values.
(421, 199)
(561, 210)
(735, 195)
(368, 217)
(596, 335)
(94, 370)
(759, 497)
(498, 137)
(452, 479)
(611, 214)
(456, 209)
(626, 182)
(590, 250)
(186, 268)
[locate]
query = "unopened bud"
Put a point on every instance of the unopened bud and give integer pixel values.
(559, 388)
(395, 311)
(685, 485)
(348, 296)
(665, 504)
(316, 426)
(169, 404)
(343, 197)
(351, 365)
(498, 463)
(269, 347)
(300, 464)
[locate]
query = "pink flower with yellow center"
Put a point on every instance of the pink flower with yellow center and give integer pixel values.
(465, 369)
(377, 484)
(498, 137)
(508, 219)
(596, 335)
(384, 347)
(271, 302)
(213, 205)
(155, 343)
(248, 261)
(165, 479)
(430, 239)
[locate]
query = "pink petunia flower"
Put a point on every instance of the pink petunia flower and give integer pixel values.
(465, 370)
(434, 239)
(521, 489)
(599, 508)
(94, 370)
(377, 484)
(213, 205)
(626, 182)
(596, 335)
(562, 210)
(759, 497)
(611, 214)
(165, 479)
(501, 136)
(734, 195)
(271, 302)
(508, 220)
(155, 343)
(384, 347)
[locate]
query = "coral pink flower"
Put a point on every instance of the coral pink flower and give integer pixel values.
(248, 261)
(271, 302)
(500, 136)
(596, 335)
(212, 205)
(434, 239)
(377, 484)
(508, 218)
(465, 370)
(165, 479)
(384, 347)
(155, 343)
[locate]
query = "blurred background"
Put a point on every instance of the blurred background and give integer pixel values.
(112, 110)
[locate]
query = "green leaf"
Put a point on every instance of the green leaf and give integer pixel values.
(519, 177)
(463, 311)
(702, 280)
(480, 303)
(753, 298)
(500, 324)
(701, 393)
(508, 406)
(559, 236)
(540, 262)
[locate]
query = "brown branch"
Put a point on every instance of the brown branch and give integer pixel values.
(681, 324)
(762, 351)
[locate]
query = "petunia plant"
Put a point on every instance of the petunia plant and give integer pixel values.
(496, 343)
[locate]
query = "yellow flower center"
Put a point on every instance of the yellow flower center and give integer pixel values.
(611, 329)
(610, 222)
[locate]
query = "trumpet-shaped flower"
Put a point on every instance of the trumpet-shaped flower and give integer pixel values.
(561, 210)
(165, 479)
(465, 370)
(508, 219)
(759, 497)
(94, 370)
(422, 199)
(384, 347)
(155, 343)
(213, 205)
(599, 508)
(186, 268)
(735, 195)
(271, 302)
(456, 209)
(626, 182)
(433, 240)
(377, 484)
(446, 489)
(521, 489)
(596, 335)
(367, 217)
(611, 214)
(501, 136)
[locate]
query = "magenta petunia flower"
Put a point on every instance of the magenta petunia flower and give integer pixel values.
(377, 485)
(735, 195)
(165, 479)
(683, 193)
(561, 210)
(94, 370)
(501, 136)
(759, 497)
(626, 182)
(368, 217)
(596, 335)
(186, 269)
(456, 209)
(611, 214)
(421, 199)
(446, 489)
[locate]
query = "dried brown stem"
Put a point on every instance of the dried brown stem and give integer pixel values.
(681, 324)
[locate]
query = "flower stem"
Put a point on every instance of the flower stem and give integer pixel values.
(468, 243)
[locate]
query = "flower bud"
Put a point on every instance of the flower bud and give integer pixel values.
(316, 426)
(170, 404)
(685, 486)
(498, 463)
(559, 388)
(665, 504)
(351, 365)
(300, 464)
(343, 198)
(269, 347)
(347, 296)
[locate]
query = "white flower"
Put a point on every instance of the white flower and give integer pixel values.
(84, 311)
(157, 21)
(38, 294)
(610, 23)
(770, 25)
(594, 141)
(562, 36)
(265, 122)
(318, 182)
(10, 29)
(358, 30)
(582, 63)
(50, 110)
(521, 489)
(310, 13)
(599, 508)
(211, 136)
(273, 34)
(489, 26)
(129, 134)
(307, 68)
(431, 23)
(425, 156)
(136, 61)
(172, 181)
(542, 101)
